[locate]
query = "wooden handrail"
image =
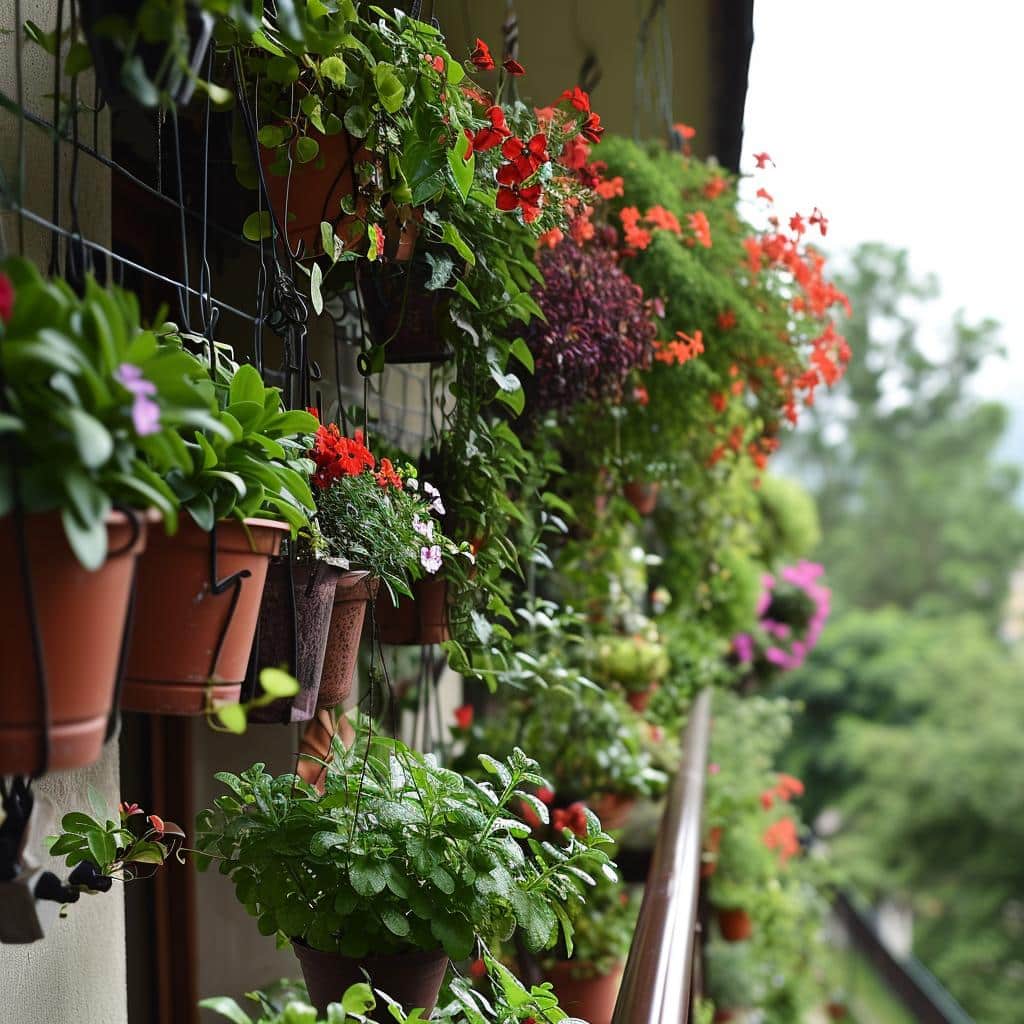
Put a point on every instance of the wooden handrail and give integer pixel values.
(656, 984)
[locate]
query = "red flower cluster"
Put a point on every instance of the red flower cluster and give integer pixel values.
(682, 350)
(493, 134)
(388, 476)
(336, 456)
(464, 716)
(700, 227)
(782, 836)
(572, 817)
(6, 298)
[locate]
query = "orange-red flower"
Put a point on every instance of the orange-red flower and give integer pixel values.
(763, 160)
(610, 188)
(726, 320)
(664, 219)
(763, 193)
(715, 187)
(592, 130)
(551, 237)
(387, 475)
(789, 786)
(578, 97)
(680, 351)
(513, 67)
(464, 716)
(700, 227)
(572, 817)
(437, 63)
(481, 57)
(493, 134)
(782, 836)
(336, 456)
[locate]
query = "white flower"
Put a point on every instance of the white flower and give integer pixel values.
(424, 527)
(412, 483)
(430, 558)
(436, 505)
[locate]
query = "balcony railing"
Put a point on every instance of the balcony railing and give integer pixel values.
(657, 985)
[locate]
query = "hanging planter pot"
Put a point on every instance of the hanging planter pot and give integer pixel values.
(591, 997)
(642, 495)
(126, 78)
(82, 618)
(421, 619)
(613, 809)
(191, 641)
(402, 315)
(639, 699)
(412, 979)
(735, 924)
(294, 623)
(354, 592)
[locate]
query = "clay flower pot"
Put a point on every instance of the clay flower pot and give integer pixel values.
(82, 618)
(735, 924)
(294, 639)
(714, 842)
(402, 314)
(355, 590)
(836, 1010)
(590, 998)
(412, 979)
(189, 643)
(613, 809)
(643, 496)
(639, 699)
(422, 619)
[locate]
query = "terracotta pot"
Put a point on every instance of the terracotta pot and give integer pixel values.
(836, 1010)
(294, 640)
(317, 739)
(613, 809)
(714, 842)
(639, 699)
(82, 617)
(355, 590)
(735, 925)
(723, 1015)
(402, 314)
(592, 999)
(412, 979)
(642, 495)
(189, 643)
(422, 619)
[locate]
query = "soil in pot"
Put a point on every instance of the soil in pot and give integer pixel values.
(81, 617)
(422, 619)
(735, 924)
(613, 809)
(188, 642)
(355, 590)
(108, 58)
(590, 998)
(642, 496)
(402, 314)
(639, 699)
(294, 638)
(412, 979)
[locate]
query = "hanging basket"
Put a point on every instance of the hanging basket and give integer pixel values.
(401, 314)
(590, 998)
(355, 590)
(421, 619)
(642, 495)
(735, 924)
(82, 618)
(412, 979)
(295, 637)
(190, 645)
(109, 60)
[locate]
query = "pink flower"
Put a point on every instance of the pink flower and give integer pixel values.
(127, 810)
(436, 505)
(145, 412)
(157, 823)
(430, 558)
(424, 527)
(743, 647)
(6, 298)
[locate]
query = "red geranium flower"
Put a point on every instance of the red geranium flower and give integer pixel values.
(7, 298)
(387, 476)
(513, 67)
(493, 134)
(700, 227)
(513, 197)
(592, 130)
(526, 156)
(481, 57)
(464, 716)
(578, 97)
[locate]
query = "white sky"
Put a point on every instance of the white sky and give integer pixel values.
(901, 120)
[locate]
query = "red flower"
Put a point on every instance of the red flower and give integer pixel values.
(727, 320)
(513, 67)
(578, 98)
(387, 476)
(817, 217)
(313, 411)
(437, 63)
(526, 157)
(782, 836)
(551, 237)
(763, 160)
(127, 810)
(611, 188)
(664, 219)
(700, 227)
(789, 786)
(641, 395)
(592, 130)
(545, 795)
(481, 57)
(575, 154)
(680, 351)
(796, 224)
(157, 823)
(494, 133)
(763, 193)
(684, 131)
(469, 147)
(478, 968)
(6, 298)
(719, 400)
(513, 197)
(715, 187)
(768, 799)
(464, 716)
(336, 456)
(573, 818)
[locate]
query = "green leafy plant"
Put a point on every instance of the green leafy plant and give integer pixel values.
(93, 407)
(104, 846)
(633, 661)
(398, 853)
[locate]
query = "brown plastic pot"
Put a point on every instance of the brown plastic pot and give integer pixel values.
(82, 617)
(412, 979)
(642, 495)
(590, 998)
(355, 590)
(299, 636)
(613, 809)
(189, 643)
(709, 863)
(422, 619)
(735, 924)
(639, 699)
